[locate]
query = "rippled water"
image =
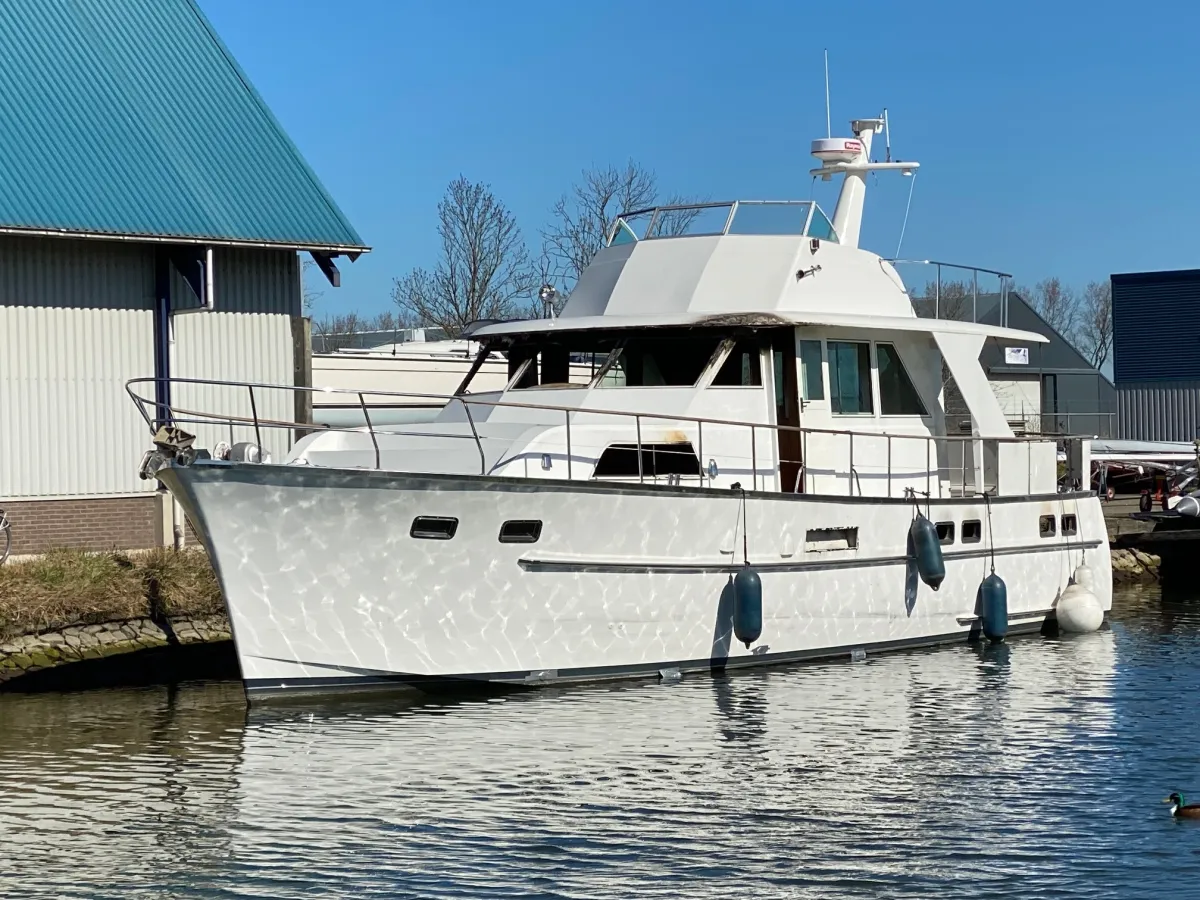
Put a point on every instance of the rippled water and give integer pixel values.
(1034, 771)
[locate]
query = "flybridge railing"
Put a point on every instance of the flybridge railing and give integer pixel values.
(954, 291)
(975, 465)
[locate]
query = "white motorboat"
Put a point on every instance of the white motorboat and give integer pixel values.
(761, 402)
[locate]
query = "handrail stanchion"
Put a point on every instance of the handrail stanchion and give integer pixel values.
(370, 428)
(567, 416)
(638, 422)
(850, 474)
(254, 412)
(889, 465)
(475, 434)
(753, 458)
(700, 449)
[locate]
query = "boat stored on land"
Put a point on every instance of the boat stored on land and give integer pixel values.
(759, 428)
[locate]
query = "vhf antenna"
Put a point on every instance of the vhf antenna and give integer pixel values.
(828, 128)
(887, 135)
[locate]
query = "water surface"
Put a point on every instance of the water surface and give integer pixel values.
(1031, 770)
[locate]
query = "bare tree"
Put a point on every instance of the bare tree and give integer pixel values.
(583, 216)
(309, 295)
(1095, 332)
(484, 270)
(1056, 303)
(950, 300)
(341, 331)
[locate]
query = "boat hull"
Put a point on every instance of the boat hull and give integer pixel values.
(328, 589)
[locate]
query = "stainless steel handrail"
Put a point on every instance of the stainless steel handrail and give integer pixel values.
(256, 421)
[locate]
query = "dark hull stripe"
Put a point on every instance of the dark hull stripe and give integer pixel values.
(264, 688)
(642, 568)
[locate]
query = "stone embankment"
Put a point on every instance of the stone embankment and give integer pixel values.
(69, 607)
(31, 653)
(1131, 564)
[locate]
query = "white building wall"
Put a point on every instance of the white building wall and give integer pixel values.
(1020, 400)
(243, 347)
(67, 426)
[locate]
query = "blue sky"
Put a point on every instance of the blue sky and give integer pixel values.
(1054, 137)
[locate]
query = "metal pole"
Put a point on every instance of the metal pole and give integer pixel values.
(929, 471)
(850, 475)
(567, 416)
(638, 421)
(700, 450)
(370, 427)
(889, 465)
(254, 412)
(974, 295)
(754, 458)
(937, 294)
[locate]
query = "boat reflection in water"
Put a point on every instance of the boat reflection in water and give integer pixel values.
(840, 777)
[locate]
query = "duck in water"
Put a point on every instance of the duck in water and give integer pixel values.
(1181, 810)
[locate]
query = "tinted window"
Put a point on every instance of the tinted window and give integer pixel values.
(850, 377)
(897, 395)
(661, 362)
(812, 377)
(742, 368)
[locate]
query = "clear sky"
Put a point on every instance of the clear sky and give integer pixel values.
(1054, 137)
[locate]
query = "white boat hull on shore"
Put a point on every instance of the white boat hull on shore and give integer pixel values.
(326, 588)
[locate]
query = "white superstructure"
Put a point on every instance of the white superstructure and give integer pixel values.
(729, 384)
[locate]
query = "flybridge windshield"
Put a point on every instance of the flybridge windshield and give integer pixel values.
(746, 217)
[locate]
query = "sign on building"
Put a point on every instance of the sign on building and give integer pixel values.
(1016, 356)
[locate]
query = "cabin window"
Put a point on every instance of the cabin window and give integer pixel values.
(661, 362)
(1046, 526)
(557, 364)
(812, 376)
(945, 532)
(972, 531)
(897, 395)
(521, 531)
(621, 460)
(1070, 524)
(850, 378)
(433, 528)
(742, 368)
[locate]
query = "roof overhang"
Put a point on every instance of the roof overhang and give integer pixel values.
(353, 252)
(533, 327)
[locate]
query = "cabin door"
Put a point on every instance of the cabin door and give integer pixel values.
(787, 408)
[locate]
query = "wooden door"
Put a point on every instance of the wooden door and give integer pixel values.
(787, 408)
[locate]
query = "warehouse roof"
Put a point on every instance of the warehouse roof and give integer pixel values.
(130, 118)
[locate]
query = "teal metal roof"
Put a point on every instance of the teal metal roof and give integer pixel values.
(131, 118)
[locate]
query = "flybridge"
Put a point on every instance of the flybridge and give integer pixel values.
(851, 157)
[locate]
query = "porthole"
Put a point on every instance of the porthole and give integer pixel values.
(1070, 524)
(945, 532)
(972, 531)
(1046, 526)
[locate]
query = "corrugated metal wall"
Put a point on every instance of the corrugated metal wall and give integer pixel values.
(66, 424)
(234, 347)
(75, 273)
(76, 323)
(247, 281)
(1150, 312)
(1159, 411)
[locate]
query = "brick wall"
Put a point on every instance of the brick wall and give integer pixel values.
(124, 523)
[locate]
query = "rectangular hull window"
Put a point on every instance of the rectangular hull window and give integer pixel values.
(811, 375)
(433, 528)
(823, 539)
(972, 531)
(521, 531)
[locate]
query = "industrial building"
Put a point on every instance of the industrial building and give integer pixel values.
(1042, 388)
(1156, 361)
(152, 211)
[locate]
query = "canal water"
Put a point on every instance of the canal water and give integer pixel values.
(1034, 770)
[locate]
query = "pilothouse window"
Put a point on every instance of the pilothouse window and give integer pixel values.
(661, 362)
(897, 395)
(850, 378)
(742, 368)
